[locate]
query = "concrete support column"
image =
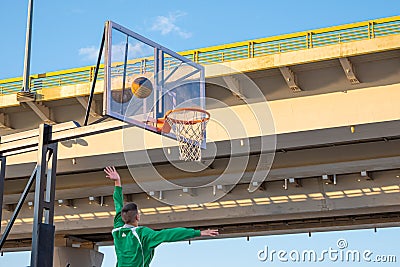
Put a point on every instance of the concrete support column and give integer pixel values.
(77, 257)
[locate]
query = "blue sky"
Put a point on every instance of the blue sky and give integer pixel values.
(66, 34)
(238, 252)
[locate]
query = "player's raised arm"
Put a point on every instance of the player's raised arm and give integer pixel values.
(113, 175)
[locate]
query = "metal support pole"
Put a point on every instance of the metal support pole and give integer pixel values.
(18, 208)
(122, 111)
(43, 227)
(96, 71)
(28, 41)
(2, 178)
(159, 81)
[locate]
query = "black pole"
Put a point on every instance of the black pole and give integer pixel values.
(43, 219)
(28, 41)
(2, 179)
(96, 71)
(18, 208)
(124, 73)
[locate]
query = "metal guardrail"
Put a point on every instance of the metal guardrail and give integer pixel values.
(223, 53)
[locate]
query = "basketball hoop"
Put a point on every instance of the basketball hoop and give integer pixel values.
(189, 125)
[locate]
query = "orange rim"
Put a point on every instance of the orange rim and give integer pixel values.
(206, 118)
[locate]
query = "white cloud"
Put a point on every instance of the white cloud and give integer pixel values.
(167, 24)
(135, 50)
(89, 53)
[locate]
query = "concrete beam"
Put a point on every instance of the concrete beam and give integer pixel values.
(234, 86)
(349, 70)
(349, 49)
(94, 110)
(290, 79)
(42, 111)
(246, 65)
(298, 161)
(298, 209)
(376, 102)
(4, 122)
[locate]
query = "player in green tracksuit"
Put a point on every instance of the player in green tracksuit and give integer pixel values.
(134, 244)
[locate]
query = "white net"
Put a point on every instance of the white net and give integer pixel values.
(189, 125)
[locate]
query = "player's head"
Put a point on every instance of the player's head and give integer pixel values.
(130, 213)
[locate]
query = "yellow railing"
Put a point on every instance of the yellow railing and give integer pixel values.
(223, 53)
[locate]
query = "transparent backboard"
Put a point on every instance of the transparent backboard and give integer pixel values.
(144, 80)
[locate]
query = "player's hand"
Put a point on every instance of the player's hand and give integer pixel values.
(209, 232)
(112, 174)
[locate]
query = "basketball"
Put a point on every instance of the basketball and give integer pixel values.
(141, 87)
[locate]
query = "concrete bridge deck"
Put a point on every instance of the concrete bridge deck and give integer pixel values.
(330, 126)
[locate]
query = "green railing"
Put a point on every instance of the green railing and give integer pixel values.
(223, 53)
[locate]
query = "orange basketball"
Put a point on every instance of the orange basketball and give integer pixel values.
(141, 87)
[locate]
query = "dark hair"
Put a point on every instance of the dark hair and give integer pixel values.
(129, 212)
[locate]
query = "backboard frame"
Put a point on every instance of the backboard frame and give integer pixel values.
(159, 52)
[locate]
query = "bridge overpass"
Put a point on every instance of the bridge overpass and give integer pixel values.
(333, 95)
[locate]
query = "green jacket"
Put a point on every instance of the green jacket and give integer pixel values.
(135, 246)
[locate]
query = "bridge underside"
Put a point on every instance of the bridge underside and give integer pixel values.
(365, 193)
(336, 166)
(353, 203)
